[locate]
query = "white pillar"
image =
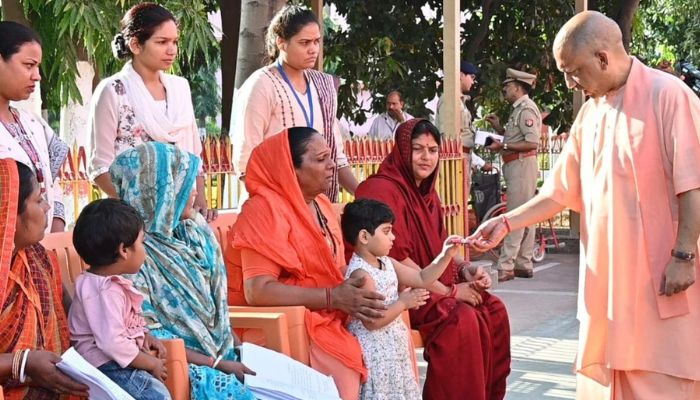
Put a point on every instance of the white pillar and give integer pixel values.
(450, 67)
(74, 116)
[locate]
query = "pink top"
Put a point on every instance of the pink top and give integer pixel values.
(105, 319)
(630, 154)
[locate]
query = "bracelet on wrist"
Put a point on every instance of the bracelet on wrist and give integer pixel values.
(216, 362)
(22, 376)
(328, 300)
(683, 255)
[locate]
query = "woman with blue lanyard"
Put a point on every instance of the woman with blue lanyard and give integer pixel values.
(289, 93)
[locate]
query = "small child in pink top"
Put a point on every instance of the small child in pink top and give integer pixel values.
(105, 320)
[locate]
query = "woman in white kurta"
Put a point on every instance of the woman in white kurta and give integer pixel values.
(290, 93)
(24, 136)
(141, 103)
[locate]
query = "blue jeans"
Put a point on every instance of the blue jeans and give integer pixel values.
(140, 384)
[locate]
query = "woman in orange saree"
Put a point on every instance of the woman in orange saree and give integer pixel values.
(286, 249)
(31, 312)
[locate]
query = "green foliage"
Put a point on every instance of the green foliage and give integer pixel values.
(667, 30)
(521, 37)
(206, 95)
(396, 47)
(387, 47)
(70, 28)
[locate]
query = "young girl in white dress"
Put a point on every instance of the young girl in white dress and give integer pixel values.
(385, 342)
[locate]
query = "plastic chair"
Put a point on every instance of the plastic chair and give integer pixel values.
(61, 245)
(416, 337)
(221, 226)
(260, 333)
(273, 326)
(178, 382)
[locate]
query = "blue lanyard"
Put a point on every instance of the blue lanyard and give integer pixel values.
(309, 121)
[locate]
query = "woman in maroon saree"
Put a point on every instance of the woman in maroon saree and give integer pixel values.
(465, 329)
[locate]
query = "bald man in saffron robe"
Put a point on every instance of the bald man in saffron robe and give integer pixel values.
(632, 169)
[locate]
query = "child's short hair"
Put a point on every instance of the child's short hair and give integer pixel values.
(102, 226)
(364, 214)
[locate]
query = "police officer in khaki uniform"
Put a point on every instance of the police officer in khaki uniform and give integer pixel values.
(519, 153)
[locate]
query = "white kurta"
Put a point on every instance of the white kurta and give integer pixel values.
(114, 126)
(41, 136)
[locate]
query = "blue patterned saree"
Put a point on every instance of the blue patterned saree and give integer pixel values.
(184, 278)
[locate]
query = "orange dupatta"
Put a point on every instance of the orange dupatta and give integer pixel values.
(275, 222)
(31, 310)
(9, 187)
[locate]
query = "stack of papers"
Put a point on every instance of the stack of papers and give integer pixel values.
(282, 378)
(101, 387)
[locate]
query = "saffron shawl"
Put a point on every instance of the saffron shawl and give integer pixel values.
(275, 222)
(31, 309)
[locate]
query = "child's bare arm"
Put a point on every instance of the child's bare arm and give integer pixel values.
(427, 276)
(407, 300)
(150, 363)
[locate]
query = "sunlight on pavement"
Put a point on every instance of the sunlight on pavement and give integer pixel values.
(544, 349)
(535, 360)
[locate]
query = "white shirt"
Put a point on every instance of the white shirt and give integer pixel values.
(384, 126)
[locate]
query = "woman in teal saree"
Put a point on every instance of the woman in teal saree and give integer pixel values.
(183, 279)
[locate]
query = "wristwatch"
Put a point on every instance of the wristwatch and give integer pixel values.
(683, 255)
(505, 146)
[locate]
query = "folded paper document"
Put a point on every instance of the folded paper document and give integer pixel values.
(101, 387)
(279, 377)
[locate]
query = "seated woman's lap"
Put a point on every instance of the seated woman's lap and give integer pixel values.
(346, 379)
(206, 382)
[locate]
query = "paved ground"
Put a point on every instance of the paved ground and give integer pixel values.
(543, 330)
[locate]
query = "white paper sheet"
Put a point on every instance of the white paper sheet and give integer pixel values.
(280, 377)
(101, 387)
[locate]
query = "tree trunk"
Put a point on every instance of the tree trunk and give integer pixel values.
(230, 24)
(12, 10)
(488, 9)
(624, 18)
(255, 18)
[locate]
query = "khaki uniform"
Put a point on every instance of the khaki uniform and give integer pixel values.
(524, 124)
(466, 129)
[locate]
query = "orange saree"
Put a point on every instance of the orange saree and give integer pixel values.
(31, 311)
(275, 223)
